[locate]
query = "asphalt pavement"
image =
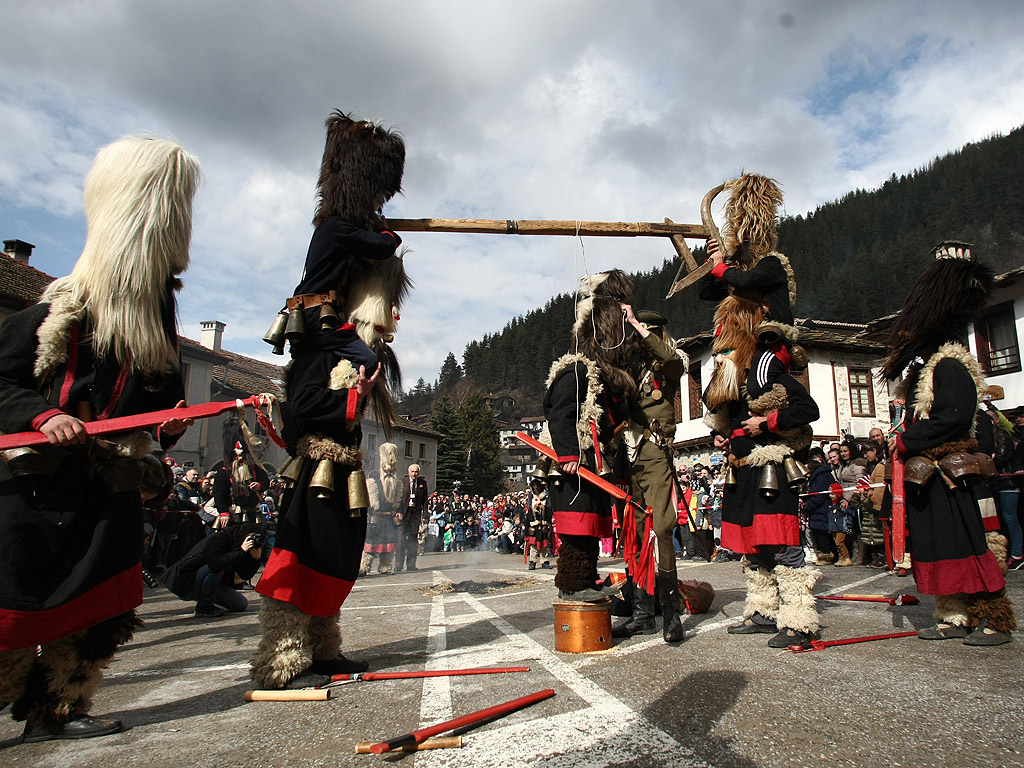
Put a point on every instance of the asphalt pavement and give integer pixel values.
(714, 700)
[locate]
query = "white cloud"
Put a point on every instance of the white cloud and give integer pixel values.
(589, 110)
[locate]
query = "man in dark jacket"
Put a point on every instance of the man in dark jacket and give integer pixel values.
(815, 506)
(410, 512)
(207, 573)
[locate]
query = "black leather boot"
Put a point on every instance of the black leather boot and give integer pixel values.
(671, 605)
(642, 621)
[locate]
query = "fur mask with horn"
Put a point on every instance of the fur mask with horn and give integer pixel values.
(599, 332)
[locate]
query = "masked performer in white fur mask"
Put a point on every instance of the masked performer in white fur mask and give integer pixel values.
(101, 343)
(348, 298)
(586, 406)
(760, 414)
(382, 530)
(951, 516)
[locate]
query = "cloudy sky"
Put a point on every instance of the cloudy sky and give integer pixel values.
(563, 109)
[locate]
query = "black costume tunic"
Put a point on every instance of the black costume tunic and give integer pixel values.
(767, 283)
(329, 261)
(578, 507)
(319, 544)
(69, 549)
(749, 519)
(946, 531)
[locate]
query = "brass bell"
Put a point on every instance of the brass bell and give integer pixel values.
(770, 480)
(358, 496)
(295, 329)
(730, 477)
(291, 470)
(328, 317)
(543, 466)
(323, 479)
(554, 471)
(275, 334)
(795, 471)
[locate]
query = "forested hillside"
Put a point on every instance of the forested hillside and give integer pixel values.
(853, 259)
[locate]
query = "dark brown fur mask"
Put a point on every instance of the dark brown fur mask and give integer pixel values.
(600, 328)
(943, 300)
(361, 170)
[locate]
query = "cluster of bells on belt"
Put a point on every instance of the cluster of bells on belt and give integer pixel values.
(291, 326)
(548, 470)
(322, 482)
(795, 470)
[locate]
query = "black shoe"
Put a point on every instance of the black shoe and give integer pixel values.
(305, 680)
(942, 632)
(208, 612)
(672, 628)
(790, 637)
(84, 727)
(635, 626)
(338, 666)
(412, 568)
(751, 627)
(531, 567)
(545, 564)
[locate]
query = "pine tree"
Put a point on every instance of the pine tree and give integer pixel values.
(484, 473)
(451, 373)
(451, 448)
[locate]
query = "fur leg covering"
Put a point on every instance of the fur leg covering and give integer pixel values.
(762, 594)
(996, 608)
(997, 543)
(365, 564)
(15, 666)
(798, 610)
(387, 562)
(577, 563)
(324, 637)
(951, 609)
(284, 649)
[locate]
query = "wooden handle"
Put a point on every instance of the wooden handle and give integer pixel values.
(550, 227)
(321, 694)
(442, 742)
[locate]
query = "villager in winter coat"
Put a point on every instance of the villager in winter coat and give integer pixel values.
(100, 344)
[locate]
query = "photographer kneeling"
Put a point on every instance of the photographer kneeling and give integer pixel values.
(207, 573)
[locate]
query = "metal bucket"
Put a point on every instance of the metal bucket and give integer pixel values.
(583, 627)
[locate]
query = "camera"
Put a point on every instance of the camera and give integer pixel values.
(257, 540)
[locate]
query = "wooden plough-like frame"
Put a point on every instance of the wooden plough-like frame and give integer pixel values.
(689, 271)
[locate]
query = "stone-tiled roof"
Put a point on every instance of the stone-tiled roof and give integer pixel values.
(20, 284)
(250, 376)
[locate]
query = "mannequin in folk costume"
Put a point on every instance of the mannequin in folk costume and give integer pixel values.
(959, 554)
(381, 531)
(101, 343)
(759, 413)
(585, 405)
(352, 286)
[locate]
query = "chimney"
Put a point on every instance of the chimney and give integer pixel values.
(18, 250)
(212, 332)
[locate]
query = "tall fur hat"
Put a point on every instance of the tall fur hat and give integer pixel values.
(361, 170)
(138, 207)
(945, 298)
(751, 217)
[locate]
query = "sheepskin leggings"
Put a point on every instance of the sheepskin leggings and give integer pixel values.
(290, 641)
(780, 586)
(57, 685)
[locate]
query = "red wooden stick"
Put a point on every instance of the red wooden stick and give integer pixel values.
(899, 510)
(820, 645)
(136, 421)
(415, 737)
(428, 673)
(609, 488)
(898, 600)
